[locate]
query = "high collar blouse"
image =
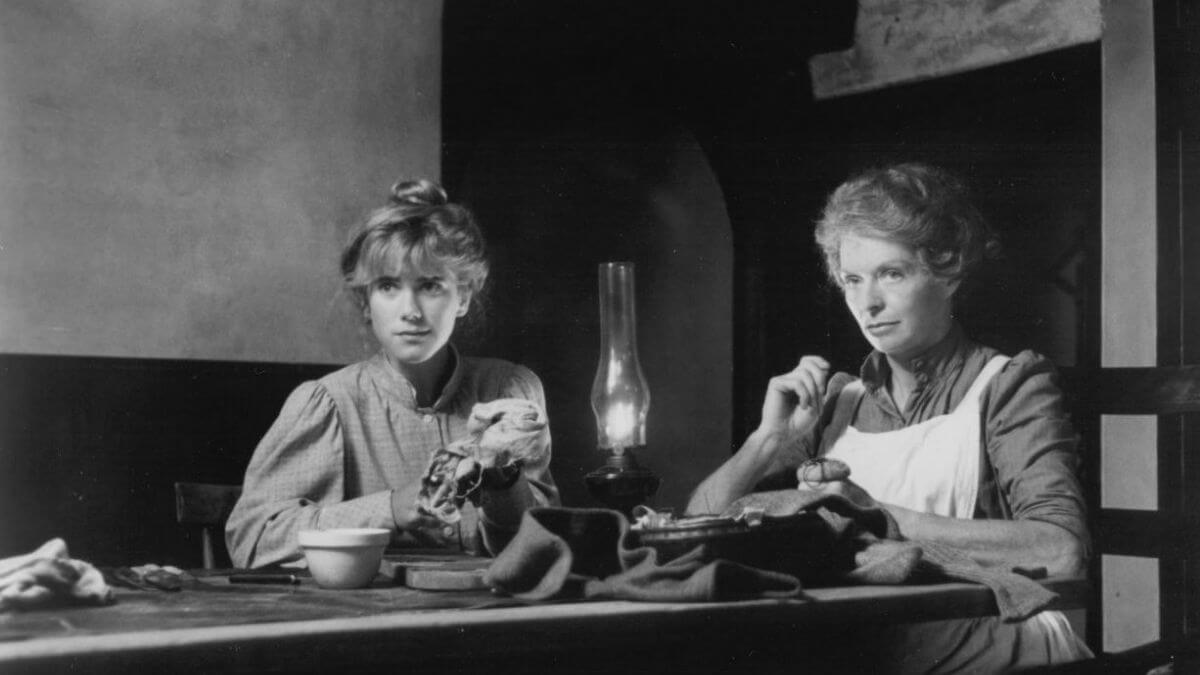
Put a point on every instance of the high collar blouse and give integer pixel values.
(344, 443)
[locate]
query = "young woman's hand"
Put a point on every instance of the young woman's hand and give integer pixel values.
(793, 402)
(472, 478)
(405, 511)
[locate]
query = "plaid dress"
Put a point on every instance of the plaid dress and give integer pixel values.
(342, 444)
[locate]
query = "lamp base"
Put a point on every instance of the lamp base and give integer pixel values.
(621, 483)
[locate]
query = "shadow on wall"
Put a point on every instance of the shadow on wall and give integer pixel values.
(553, 210)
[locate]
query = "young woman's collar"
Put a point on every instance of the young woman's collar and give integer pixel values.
(452, 384)
(408, 393)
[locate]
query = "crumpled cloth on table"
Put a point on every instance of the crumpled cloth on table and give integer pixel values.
(564, 553)
(49, 576)
(500, 434)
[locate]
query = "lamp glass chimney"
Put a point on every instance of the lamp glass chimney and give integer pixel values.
(620, 396)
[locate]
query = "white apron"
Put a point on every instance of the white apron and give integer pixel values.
(933, 467)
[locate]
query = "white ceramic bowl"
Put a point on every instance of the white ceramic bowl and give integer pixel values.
(346, 557)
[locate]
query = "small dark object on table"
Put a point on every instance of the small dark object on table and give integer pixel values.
(263, 578)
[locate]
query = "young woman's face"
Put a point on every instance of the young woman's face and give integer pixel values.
(413, 313)
(901, 307)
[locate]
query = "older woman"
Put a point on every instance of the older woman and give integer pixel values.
(351, 449)
(961, 444)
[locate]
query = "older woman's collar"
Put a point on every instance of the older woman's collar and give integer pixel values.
(874, 371)
(942, 357)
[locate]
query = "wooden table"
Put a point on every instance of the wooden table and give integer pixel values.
(219, 627)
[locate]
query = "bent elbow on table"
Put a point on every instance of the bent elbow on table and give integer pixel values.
(1072, 558)
(1062, 553)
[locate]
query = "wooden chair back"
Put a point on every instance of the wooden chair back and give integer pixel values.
(207, 505)
(1171, 533)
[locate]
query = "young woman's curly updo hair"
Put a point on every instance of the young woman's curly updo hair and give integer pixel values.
(421, 226)
(921, 206)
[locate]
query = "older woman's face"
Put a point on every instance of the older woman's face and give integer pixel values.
(901, 307)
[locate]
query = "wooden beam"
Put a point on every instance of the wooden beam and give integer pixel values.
(901, 41)
(1135, 391)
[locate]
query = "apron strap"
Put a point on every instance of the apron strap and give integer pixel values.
(993, 366)
(846, 403)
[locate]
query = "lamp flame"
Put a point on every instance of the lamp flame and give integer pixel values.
(619, 423)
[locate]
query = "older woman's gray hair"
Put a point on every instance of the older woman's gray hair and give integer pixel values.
(923, 207)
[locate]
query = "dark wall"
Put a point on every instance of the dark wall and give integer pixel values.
(1026, 136)
(557, 209)
(582, 132)
(90, 448)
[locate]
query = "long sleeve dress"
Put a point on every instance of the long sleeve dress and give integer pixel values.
(1021, 452)
(342, 444)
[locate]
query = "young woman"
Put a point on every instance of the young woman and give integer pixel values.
(350, 449)
(962, 445)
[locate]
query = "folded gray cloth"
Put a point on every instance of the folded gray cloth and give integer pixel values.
(562, 553)
(1018, 597)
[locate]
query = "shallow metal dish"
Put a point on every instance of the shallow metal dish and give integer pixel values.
(802, 544)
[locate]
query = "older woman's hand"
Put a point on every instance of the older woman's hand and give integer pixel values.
(831, 476)
(848, 489)
(793, 401)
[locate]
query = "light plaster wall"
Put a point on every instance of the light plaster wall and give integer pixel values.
(176, 177)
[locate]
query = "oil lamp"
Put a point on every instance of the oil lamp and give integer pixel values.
(620, 397)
